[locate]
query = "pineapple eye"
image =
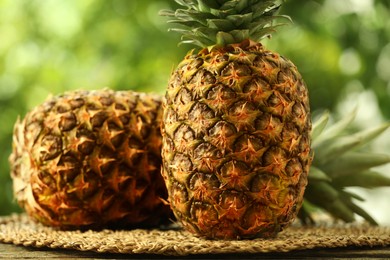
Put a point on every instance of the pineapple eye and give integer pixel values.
(195, 64)
(234, 167)
(106, 100)
(76, 103)
(232, 199)
(183, 96)
(204, 214)
(92, 107)
(69, 168)
(68, 121)
(119, 106)
(51, 147)
(220, 93)
(201, 112)
(265, 183)
(249, 148)
(62, 109)
(202, 78)
(294, 169)
(179, 194)
(203, 183)
(86, 147)
(184, 132)
(48, 180)
(257, 87)
(98, 119)
(222, 128)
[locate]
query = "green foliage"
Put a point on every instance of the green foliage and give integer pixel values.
(342, 160)
(337, 43)
(50, 46)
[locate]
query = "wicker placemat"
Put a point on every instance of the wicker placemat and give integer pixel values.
(20, 230)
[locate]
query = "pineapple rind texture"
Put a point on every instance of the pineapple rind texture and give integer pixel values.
(91, 159)
(236, 145)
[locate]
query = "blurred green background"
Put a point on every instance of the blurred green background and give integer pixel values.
(47, 47)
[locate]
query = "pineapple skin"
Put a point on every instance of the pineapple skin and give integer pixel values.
(91, 159)
(236, 146)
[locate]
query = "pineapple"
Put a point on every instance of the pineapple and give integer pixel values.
(341, 162)
(236, 124)
(91, 159)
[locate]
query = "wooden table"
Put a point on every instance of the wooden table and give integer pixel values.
(10, 251)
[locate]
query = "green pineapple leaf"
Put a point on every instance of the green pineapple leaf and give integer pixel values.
(353, 162)
(335, 129)
(255, 19)
(365, 179)
(240, 19)
(225, 25)
(317, 174)
(319, 125)
(346, 198)
(323, 195)
(335, 149)
(337, 165)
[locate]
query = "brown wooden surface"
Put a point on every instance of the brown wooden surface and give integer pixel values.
(10, 251)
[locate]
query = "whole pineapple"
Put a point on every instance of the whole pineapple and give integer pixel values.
(236, 146)
(91, 159)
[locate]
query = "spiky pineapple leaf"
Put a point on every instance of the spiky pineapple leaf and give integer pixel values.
(261, 23)
(337, 148)
(206, 6)
(323, 195)
(240, 19)
(223, 38)
(335, 129)
(349, 194)
(256, 19)
(319, 125)
(264, 32)
(239, 7)
(240, 34)
(353, 162)
(346, 198)
(337, 166)
(223, 24)
(183, 2)
(340, 210)
(320, 191)
(315, 174)
(364, 179)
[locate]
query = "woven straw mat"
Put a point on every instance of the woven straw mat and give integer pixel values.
(20, 230)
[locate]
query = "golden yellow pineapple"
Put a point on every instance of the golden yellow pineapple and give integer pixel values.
(236, 124)
(91, 159)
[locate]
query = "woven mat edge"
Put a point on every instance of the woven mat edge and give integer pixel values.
(185, 243)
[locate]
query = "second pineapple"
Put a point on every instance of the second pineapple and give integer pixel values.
(91, 159)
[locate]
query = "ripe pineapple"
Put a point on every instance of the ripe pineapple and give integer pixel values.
(236, 146)
(91, 159)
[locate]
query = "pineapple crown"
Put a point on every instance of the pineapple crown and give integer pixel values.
(340, 162)
(222, 22)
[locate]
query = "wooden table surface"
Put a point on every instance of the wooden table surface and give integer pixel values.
(10, 251)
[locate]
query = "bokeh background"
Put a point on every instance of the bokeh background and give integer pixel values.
(342, 49)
